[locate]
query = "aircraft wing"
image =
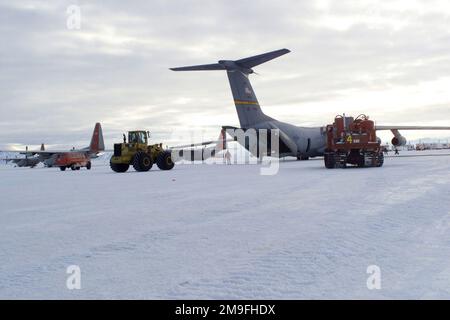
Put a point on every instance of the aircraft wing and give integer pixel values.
(42, 153)
(199, 144)
(411, 128)
(14, 160)
(398, 140)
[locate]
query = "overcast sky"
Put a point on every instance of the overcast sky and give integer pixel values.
(389, 59)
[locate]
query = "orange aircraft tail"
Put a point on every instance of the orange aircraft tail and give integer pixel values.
(97, 143)
(221, 141)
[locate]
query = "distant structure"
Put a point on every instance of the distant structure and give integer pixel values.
(432, 146)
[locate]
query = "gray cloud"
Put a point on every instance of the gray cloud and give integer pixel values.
(56, 83)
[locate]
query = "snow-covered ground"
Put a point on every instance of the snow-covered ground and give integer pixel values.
(218, 231)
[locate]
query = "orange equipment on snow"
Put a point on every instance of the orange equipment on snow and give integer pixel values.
(73, 160)
(352, 141)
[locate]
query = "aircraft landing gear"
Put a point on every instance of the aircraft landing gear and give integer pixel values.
(302, 158)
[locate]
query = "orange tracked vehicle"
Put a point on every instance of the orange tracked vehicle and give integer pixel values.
(352, 141)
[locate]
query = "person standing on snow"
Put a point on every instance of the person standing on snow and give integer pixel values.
(228, 157)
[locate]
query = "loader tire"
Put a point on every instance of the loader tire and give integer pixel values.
(88, 165)
(62, 168)
(119, 167)
(164, 161)
(142, 162)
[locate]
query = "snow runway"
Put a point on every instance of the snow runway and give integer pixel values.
(226, 232)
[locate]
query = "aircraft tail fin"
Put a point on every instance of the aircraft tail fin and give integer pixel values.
(221, 141)
(97, 143)
(201, 67)
(42, 147)
(254, 61)
(247, 106)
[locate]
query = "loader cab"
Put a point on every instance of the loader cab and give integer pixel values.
(139, 137)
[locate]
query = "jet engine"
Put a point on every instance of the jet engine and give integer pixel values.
(398, 140)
